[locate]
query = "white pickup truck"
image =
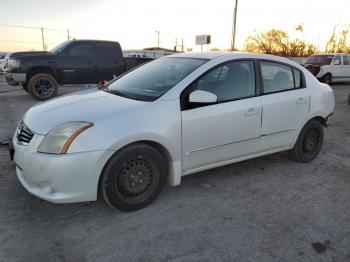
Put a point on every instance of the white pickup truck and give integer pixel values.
(329, 68)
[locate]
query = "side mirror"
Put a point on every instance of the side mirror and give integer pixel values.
(202, 97)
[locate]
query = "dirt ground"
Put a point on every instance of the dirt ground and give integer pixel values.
(266, 209)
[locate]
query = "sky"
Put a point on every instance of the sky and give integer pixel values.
(134, 22)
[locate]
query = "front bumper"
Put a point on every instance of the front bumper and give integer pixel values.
(14, 78)
(64, 178)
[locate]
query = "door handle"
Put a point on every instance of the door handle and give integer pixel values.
(300, 101)
(252, 111)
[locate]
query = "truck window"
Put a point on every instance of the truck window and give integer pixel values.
(82, 50)
(346, 60)
(109, 51)
(337, 60)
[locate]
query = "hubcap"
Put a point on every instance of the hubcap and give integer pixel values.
(136, 178)
(310, 141)
(43, 87)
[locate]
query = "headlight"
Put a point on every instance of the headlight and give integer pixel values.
(58, 140)
(11, 63)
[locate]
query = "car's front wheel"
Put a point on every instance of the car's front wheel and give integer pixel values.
(309, 142)
(134, 177)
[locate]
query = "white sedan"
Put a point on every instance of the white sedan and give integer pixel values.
(172, 117)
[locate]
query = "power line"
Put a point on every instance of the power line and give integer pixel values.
(29, 42)
(31, 27)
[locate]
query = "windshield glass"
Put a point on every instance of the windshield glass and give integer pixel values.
(152, 80)
(320, 59)
(60, 47)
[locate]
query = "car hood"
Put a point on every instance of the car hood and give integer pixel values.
(89, 105)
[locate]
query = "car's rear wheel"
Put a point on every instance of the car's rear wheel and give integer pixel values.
(134, 177)
(309, 142)
(327, 79)
(42, 86)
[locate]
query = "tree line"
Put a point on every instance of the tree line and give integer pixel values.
(278, 42)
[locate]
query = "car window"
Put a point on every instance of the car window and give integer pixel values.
(298, 80)
(276, 77)
(337, 60)
(230, 81)
(346, 60)
(83, 50)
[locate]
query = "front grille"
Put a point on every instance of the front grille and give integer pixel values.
(24, 134)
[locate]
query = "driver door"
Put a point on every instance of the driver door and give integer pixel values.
(226, 130)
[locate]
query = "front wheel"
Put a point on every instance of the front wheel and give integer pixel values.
(42, 86)
(327, 79)
(309, 142)
(134, 177)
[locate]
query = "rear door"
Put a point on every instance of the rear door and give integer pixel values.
(77, 64)
(110, 61)
(285, 103)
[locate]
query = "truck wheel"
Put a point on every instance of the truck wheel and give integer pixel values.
(309, 142)
(134, 177)
(327, 79)
(42, 86)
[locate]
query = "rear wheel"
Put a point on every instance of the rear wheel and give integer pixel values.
(134, 177)
(309, 142)
(42, 86)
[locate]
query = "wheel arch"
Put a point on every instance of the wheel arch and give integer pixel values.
(174, 167)
(40, 70)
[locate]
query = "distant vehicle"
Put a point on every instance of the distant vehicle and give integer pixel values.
(2, 62)
(329, 68)
(134, 55)
(71, 62)
(166, 119)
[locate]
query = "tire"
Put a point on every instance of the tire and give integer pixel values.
(42, 86)
(134, 177)
(309, 142)
(327, 79)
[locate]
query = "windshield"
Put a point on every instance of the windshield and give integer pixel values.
(60, 47)
(152, 80)
(320, 59)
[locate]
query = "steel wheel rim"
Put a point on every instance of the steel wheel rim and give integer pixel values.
(137, 180)
(43, 88)
(311, 141)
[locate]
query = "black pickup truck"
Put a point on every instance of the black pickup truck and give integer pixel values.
(71, 62)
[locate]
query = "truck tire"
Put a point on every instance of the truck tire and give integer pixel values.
(327, 79)
(309, 142)
(42, 86)
(134, 177)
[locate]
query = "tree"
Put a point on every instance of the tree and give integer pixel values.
(278, 42)
(337, 43)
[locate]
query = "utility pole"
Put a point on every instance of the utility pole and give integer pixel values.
(182, 45)
(68, 36)
(175, 47)
(42, 38)
(234, 25)
(158, 32)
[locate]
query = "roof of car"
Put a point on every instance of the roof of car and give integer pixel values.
(234, 55)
